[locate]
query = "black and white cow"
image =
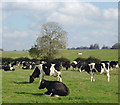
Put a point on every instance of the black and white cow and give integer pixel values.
(78, 64)
(46, 69)
(55, 88)
(114, 64)
(28, 65)
(74, 64)
(32, 65)
(66, 64)
(93, 68)
(9, 68)
(25, 65)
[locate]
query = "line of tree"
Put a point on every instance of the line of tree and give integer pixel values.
(96, 46)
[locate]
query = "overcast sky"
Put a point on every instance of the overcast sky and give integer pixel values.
(86, 22)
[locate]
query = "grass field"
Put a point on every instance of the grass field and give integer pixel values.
(16, 89)
(109, 54)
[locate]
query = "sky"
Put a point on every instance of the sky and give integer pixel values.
(86, 23)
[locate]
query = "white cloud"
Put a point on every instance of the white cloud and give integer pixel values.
(111, 13)
(76, 13)
(16, 34)
(61, 18)
(18, 6)
(83, 16)
(64, 12)
(8, 33)
(79, 9)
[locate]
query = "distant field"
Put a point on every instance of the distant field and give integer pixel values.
(109, 54)
(16, 89)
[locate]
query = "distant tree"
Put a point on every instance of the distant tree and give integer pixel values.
(91, 46)
(95, 46)
(73, 48)
(116, 46)
(52, 38)
(105, 47)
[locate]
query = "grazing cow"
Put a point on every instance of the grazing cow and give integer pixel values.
(32, 65)
(74, 64)
(25, 65)
(96, 68)
(114, 64)
(18, 63)
(6, 68)
(28, 65)
(77, 64)
(66, 64)
(55, 88)
(43, 62)
(46, 69)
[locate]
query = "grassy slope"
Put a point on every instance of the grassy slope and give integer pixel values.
(15, 54)
(71, 54)
(17, 90)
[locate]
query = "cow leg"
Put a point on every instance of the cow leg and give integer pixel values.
(41, 76)
(59, 78)
(80, 69)
(111, 68)
(108, 75)
(48, 94)
(91, 76)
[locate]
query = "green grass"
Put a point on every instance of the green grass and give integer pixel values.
(109, 54)
(16, 89)
(15, 54)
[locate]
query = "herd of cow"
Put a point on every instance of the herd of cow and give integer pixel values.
(56, 88)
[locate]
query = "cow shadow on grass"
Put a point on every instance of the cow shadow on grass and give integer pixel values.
(21, 82)
(37, 94)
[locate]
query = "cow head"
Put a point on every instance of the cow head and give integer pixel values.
(42, 85)
(58, 66)
(35, 74)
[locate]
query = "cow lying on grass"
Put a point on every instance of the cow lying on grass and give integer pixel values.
(9, 67)
(93, 68)
(55, 88)
(46, 69)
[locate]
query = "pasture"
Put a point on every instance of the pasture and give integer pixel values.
(16, 89)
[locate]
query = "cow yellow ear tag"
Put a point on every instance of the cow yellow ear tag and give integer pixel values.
(42, 81)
